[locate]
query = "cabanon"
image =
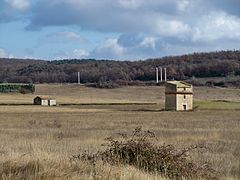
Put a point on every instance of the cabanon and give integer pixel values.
(44, 101)
(178, 96)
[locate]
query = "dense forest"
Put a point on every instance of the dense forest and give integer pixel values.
(193, 67)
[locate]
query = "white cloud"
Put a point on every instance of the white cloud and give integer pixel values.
(148, 42)
(74, 54)
(217, 26)
(69, 35)
(19, 4)
(5, 54)
(138, 28)
(79, 53)
(65, 36)
(111, 45)
(183, 4)
(130, 4)
(127, 46)
(108, 49)
(173, 28)
(131, 16)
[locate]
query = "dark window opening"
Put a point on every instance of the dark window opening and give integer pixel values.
(184, 107)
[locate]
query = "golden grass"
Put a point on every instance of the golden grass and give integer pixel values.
(43, 139)
(27, 168)
(81, 94)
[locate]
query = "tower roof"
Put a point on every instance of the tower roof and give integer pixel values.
(180, 84)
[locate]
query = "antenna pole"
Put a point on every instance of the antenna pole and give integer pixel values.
(165, 71)
(78, 77)
(161, 74)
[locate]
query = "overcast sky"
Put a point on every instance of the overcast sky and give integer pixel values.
(117, 29)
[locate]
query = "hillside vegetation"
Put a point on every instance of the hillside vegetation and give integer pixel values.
(215, 68)
(22, 88)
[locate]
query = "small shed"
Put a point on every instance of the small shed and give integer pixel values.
(44, 101)
(178, 96)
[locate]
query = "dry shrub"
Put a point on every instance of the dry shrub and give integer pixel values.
(138, 150)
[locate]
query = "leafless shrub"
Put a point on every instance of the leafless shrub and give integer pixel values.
(138, 150)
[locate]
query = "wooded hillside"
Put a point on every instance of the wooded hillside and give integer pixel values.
(186, 67)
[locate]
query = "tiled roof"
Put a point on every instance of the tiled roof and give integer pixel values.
(44, 97)
(179, 83)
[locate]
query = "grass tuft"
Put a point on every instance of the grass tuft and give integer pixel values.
(13, 169)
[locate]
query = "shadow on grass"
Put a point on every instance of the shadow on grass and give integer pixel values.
(16, 104)
(143, 110)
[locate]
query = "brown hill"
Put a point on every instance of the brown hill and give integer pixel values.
(223, 64)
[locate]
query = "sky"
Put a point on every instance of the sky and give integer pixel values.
(116, 29)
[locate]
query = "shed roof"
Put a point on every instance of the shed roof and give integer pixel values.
(179, 84)
(44, 97)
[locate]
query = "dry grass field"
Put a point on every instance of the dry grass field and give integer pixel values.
(38, 142)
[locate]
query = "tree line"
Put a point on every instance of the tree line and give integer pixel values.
(185, 67)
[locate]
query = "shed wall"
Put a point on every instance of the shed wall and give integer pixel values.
(170, 102)
(44, 103)
(52, 102)
(188, 101)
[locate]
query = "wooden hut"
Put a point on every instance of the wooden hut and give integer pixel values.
(44, 101)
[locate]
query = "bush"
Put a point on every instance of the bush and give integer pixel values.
(104, 85)
(22, 88)
(25, 89)
(139, 151)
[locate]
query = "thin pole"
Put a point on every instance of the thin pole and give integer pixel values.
(157, 74)
(78, 77)
(161, 74)
(165, 71)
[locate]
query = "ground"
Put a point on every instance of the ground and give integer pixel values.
(45, 138)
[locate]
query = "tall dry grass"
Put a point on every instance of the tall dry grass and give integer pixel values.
(37, 142)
